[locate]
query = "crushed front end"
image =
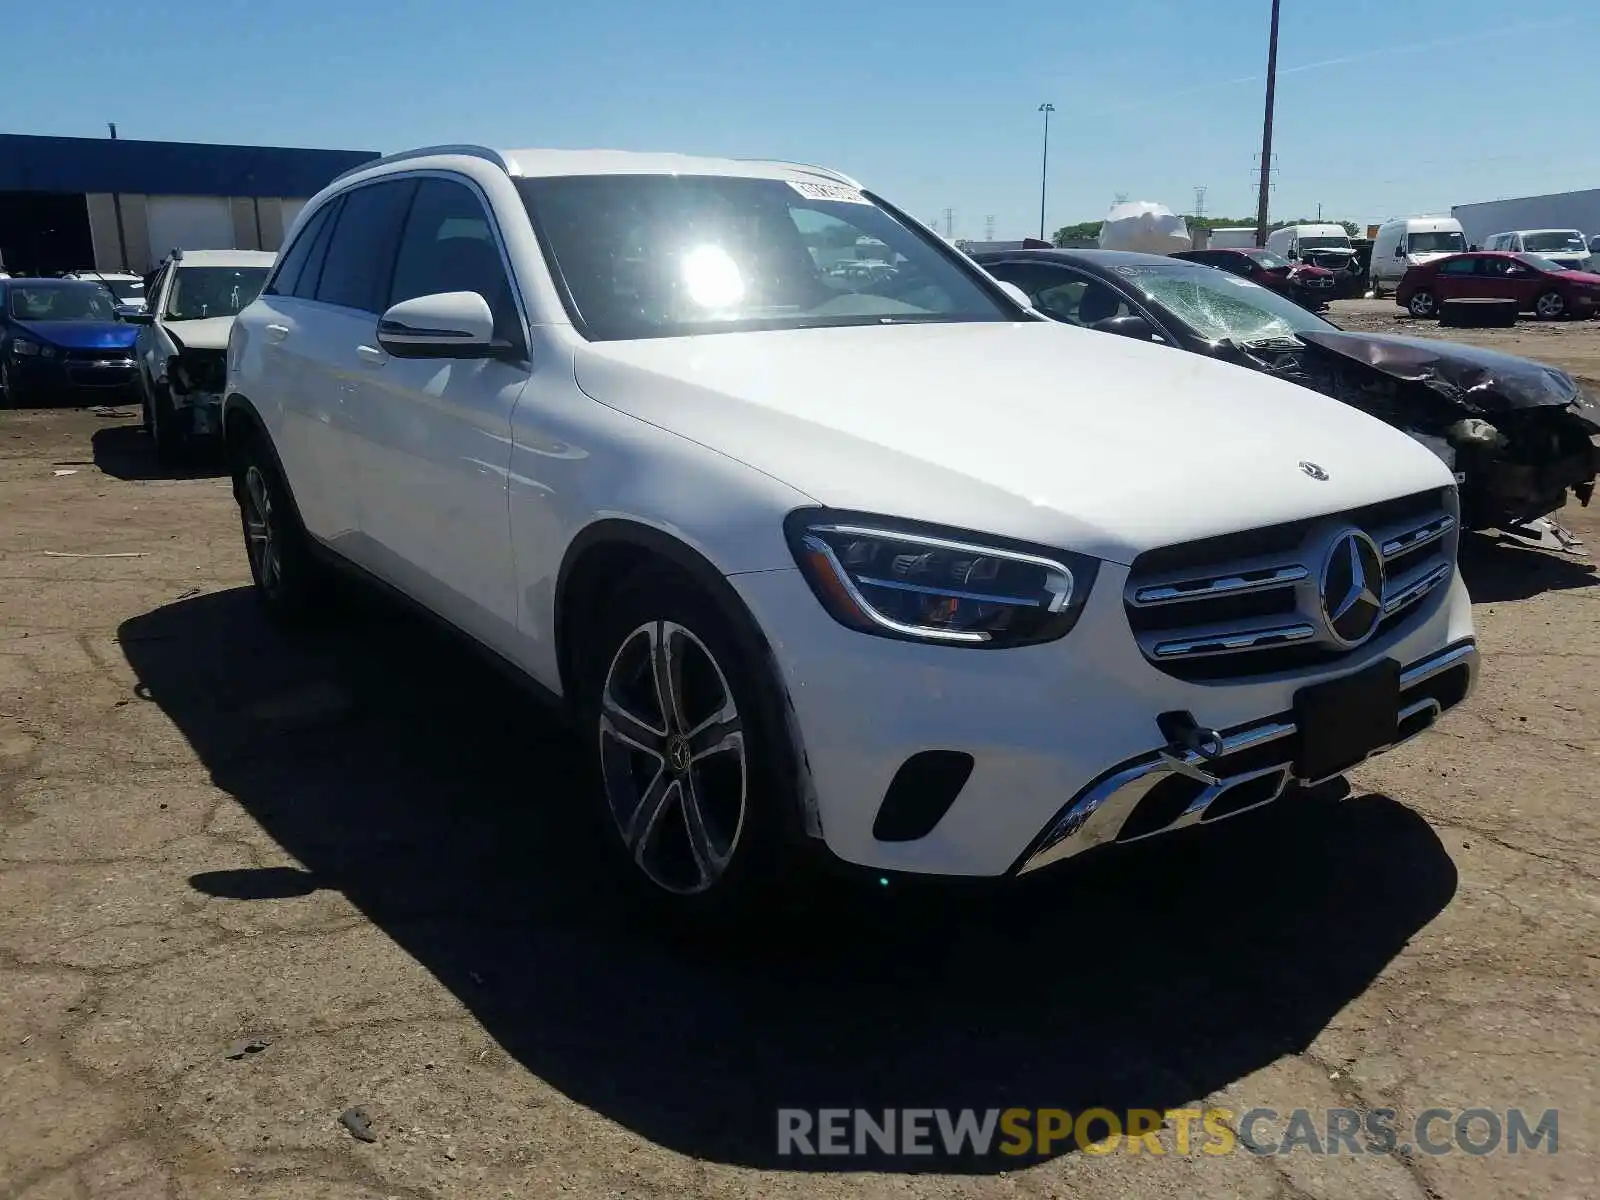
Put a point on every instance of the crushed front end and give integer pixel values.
(1518, 434)
(196, 381)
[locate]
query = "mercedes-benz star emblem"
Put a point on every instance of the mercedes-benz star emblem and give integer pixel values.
(1316, 472)
(1352, 588)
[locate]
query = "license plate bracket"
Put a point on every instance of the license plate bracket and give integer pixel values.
(1344, 720)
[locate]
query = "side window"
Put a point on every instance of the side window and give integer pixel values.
(1459, 266)
(360, 258)
(448, 246)
(294, 259)
(305, 287)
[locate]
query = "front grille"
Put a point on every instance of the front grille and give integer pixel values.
(199, 371)
(1250, 603)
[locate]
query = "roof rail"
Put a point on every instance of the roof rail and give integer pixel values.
(808, 168)
(483, 152)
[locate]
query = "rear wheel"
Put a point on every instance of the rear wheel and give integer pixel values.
(1551, 305)
(1423, 304)
(292, 586)
(689, 769)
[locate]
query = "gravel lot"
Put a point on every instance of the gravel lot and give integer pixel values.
(250, 882)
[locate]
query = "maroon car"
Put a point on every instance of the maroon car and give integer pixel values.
(1538, 285)
(1303, 283)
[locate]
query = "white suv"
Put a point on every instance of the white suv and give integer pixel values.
(881, 563)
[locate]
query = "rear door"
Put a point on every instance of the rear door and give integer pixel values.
(346, 295)
(1460, 278)
(431, 438)
(292, 383)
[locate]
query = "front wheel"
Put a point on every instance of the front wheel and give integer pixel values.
(1424, 304)
(679, 716)
(1550, 306)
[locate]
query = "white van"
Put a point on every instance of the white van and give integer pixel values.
(1407, 242)
(1565, 246)
(1325, 245)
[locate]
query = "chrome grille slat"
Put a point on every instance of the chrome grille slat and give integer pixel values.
(1199, 616)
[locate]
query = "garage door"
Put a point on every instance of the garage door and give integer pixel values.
(189, 223)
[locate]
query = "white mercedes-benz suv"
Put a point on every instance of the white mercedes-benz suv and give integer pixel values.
(879, 562)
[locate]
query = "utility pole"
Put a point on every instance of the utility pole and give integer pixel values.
(1044, 165)
(949, 222)
(116, 205)
(1266, 130)
(1319, 212)
(988, 228)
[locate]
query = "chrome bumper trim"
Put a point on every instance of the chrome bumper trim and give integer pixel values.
(1096, 815)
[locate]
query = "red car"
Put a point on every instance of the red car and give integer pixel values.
(1538, 285)
(1303, 283)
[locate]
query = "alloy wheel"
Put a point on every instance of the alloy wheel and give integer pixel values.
(1422, 304)
(260, 533)
(1551, 304)
(673, 757)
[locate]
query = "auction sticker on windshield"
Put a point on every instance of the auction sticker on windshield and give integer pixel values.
(812, 190)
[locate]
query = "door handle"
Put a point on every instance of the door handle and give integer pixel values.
(371, 356)
(276, 333)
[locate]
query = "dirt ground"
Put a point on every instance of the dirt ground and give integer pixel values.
(248, 882)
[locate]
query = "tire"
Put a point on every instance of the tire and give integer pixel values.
(716, 849)
(1550, 306)
(292, 586)
(1423, 305)
(171, 446)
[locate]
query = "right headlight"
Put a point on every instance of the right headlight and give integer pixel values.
(23, 348)
(916, 582)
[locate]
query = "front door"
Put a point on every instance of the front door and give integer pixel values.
(431, 438)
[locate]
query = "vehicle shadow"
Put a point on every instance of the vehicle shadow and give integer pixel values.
(443, 804)
(1498, 568)
(126, 452)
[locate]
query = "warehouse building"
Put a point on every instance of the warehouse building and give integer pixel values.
(111, 204)
(1557, 210)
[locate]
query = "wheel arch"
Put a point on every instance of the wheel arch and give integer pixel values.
(609, 551)
(242, 422)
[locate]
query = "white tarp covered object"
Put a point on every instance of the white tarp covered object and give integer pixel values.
(1145, 228)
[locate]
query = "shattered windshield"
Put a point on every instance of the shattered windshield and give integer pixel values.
(1217, 305)
(1325, 243)
(200, 292)
(1437, 242)
(1554, 240)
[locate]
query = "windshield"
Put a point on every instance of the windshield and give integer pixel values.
(125, 289)
(1268, 259)
(1325, 243)
(1544, 264)
(200, 292)
(1436, 243)
(1554, 239)
(1217, 305)
(645, 256)
(83, 303)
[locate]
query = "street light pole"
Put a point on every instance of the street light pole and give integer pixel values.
(1044, 165)
(1266, 130)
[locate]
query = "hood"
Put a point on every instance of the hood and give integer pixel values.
(209, 333)
(1579, 275)
(81, 335)
(1475, 379)
(1041, 431)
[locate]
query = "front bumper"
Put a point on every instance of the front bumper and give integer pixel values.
(1057, 733)
(199, 413)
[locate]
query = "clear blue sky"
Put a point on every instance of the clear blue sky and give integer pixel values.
(1385, 106)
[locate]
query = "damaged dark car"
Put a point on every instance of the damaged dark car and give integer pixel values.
(1518, 434)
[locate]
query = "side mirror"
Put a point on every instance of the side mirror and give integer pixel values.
(136, 317)
(1131, 325)
(1016, 293)
(443, 325)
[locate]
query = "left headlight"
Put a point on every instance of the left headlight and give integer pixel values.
(23, 348)
(903, 579)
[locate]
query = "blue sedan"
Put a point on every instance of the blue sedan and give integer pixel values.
(60, 336)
